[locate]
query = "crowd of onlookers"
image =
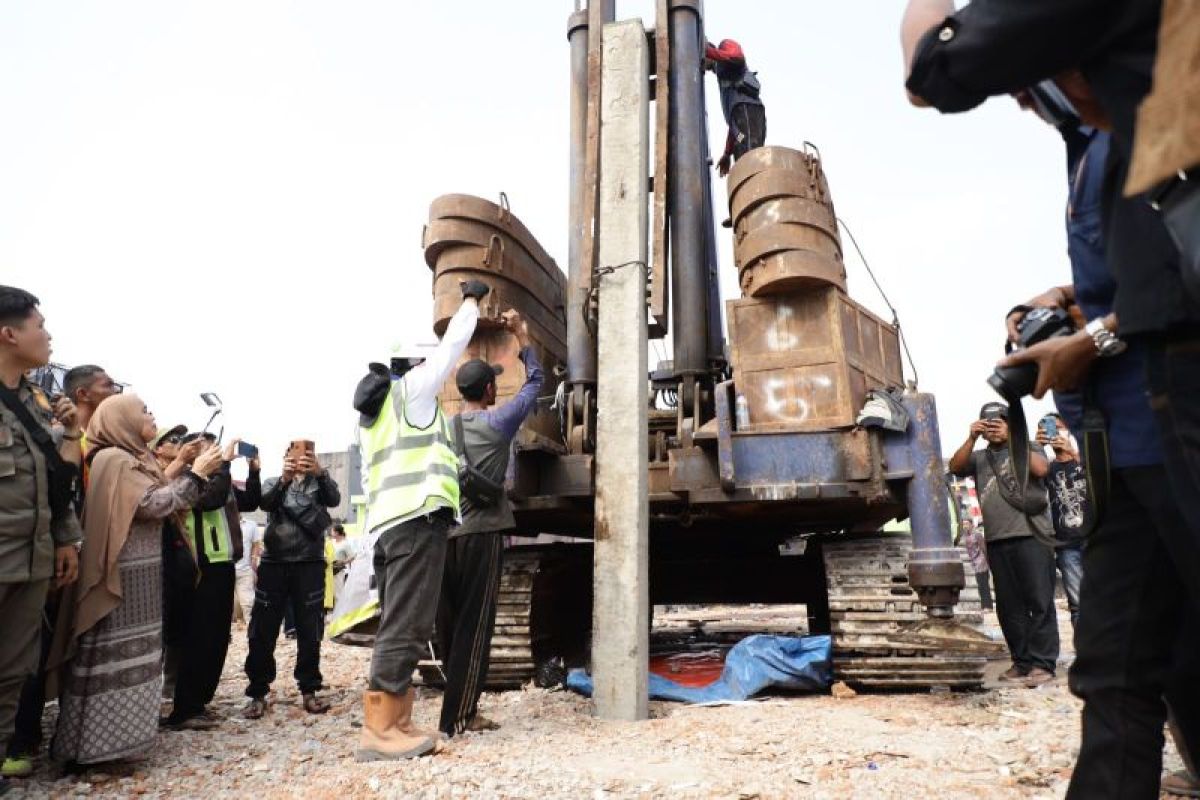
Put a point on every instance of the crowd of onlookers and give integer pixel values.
(125, 553)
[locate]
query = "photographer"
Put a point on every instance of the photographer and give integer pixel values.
(1070, 506)
(1135, 605)
(1101, 55)
(291, 573)
(1015, 527)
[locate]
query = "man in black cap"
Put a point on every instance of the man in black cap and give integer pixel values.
(1017, 530)
(483, 439)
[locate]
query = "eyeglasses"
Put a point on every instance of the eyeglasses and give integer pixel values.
(172, 439)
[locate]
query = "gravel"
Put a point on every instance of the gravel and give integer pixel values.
(997, 743)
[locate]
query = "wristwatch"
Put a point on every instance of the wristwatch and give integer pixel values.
(1107, 343)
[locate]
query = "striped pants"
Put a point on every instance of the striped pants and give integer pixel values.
(466, 617)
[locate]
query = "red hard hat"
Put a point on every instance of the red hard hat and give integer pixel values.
(731, 49)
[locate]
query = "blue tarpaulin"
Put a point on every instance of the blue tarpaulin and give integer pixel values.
(752, 665)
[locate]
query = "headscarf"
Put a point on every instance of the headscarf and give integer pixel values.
(123, 470)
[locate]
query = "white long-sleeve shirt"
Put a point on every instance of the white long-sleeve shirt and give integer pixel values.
(421, 386)
(423, 382)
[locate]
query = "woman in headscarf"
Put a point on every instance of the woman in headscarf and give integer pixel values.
(106, 660)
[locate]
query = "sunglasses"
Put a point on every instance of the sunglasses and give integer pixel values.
(175, 439)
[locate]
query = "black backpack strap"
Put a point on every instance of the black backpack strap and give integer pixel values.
(43, 439)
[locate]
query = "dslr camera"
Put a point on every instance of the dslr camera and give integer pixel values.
(1038, 325)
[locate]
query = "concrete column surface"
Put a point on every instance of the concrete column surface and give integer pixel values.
(620, 618)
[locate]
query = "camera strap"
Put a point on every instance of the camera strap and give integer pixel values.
(1096, 461)
(1018, 448)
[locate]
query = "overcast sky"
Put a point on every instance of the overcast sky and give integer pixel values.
(228, 196)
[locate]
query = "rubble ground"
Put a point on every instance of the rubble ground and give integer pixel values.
(1000, 742)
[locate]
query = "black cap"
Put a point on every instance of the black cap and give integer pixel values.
(994, 411)
(474, 376)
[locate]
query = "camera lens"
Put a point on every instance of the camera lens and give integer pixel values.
(1014, 382)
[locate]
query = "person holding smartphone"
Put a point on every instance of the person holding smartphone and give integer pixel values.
(1016, 533)
(291, 574)
(213, 532)
(1070, 506)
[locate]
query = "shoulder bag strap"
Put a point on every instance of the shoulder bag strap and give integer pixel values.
(32, 427)
(460, 440)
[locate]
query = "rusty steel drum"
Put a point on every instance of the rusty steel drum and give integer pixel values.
(785, 229)
(469, 237)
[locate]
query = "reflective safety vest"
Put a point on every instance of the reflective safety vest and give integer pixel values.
(215, 544)
(408, 468)
(329, 598)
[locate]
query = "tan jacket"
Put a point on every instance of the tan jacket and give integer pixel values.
(1167, 139)
(28, 534)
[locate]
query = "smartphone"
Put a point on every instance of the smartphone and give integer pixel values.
(247, 450)
(1049, 428)
(301, 446)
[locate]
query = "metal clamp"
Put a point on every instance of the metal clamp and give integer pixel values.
(497, 244)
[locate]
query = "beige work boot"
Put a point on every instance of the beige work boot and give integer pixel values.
(382, 739)
(439, 738)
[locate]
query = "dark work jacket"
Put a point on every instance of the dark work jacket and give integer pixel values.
(285, 540)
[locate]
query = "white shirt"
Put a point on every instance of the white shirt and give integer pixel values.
(252, 532)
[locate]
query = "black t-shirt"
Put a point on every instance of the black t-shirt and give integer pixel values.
(1070, 505)
(995, 47)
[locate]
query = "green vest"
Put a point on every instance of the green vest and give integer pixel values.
(408, 468)
(215, 545)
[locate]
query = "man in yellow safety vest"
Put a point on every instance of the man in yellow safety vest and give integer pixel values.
(412, 502)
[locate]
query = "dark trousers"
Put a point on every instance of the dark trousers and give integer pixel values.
(465, 620)
(1131, 642)
(300, 586)
(750, 124)
(409, 559)
(27, 734)
(1173, 375)
(207, 619)
(22, 605)
(1023, 569)
(983, 581)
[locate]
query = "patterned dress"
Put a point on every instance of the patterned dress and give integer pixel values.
(110, 696)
